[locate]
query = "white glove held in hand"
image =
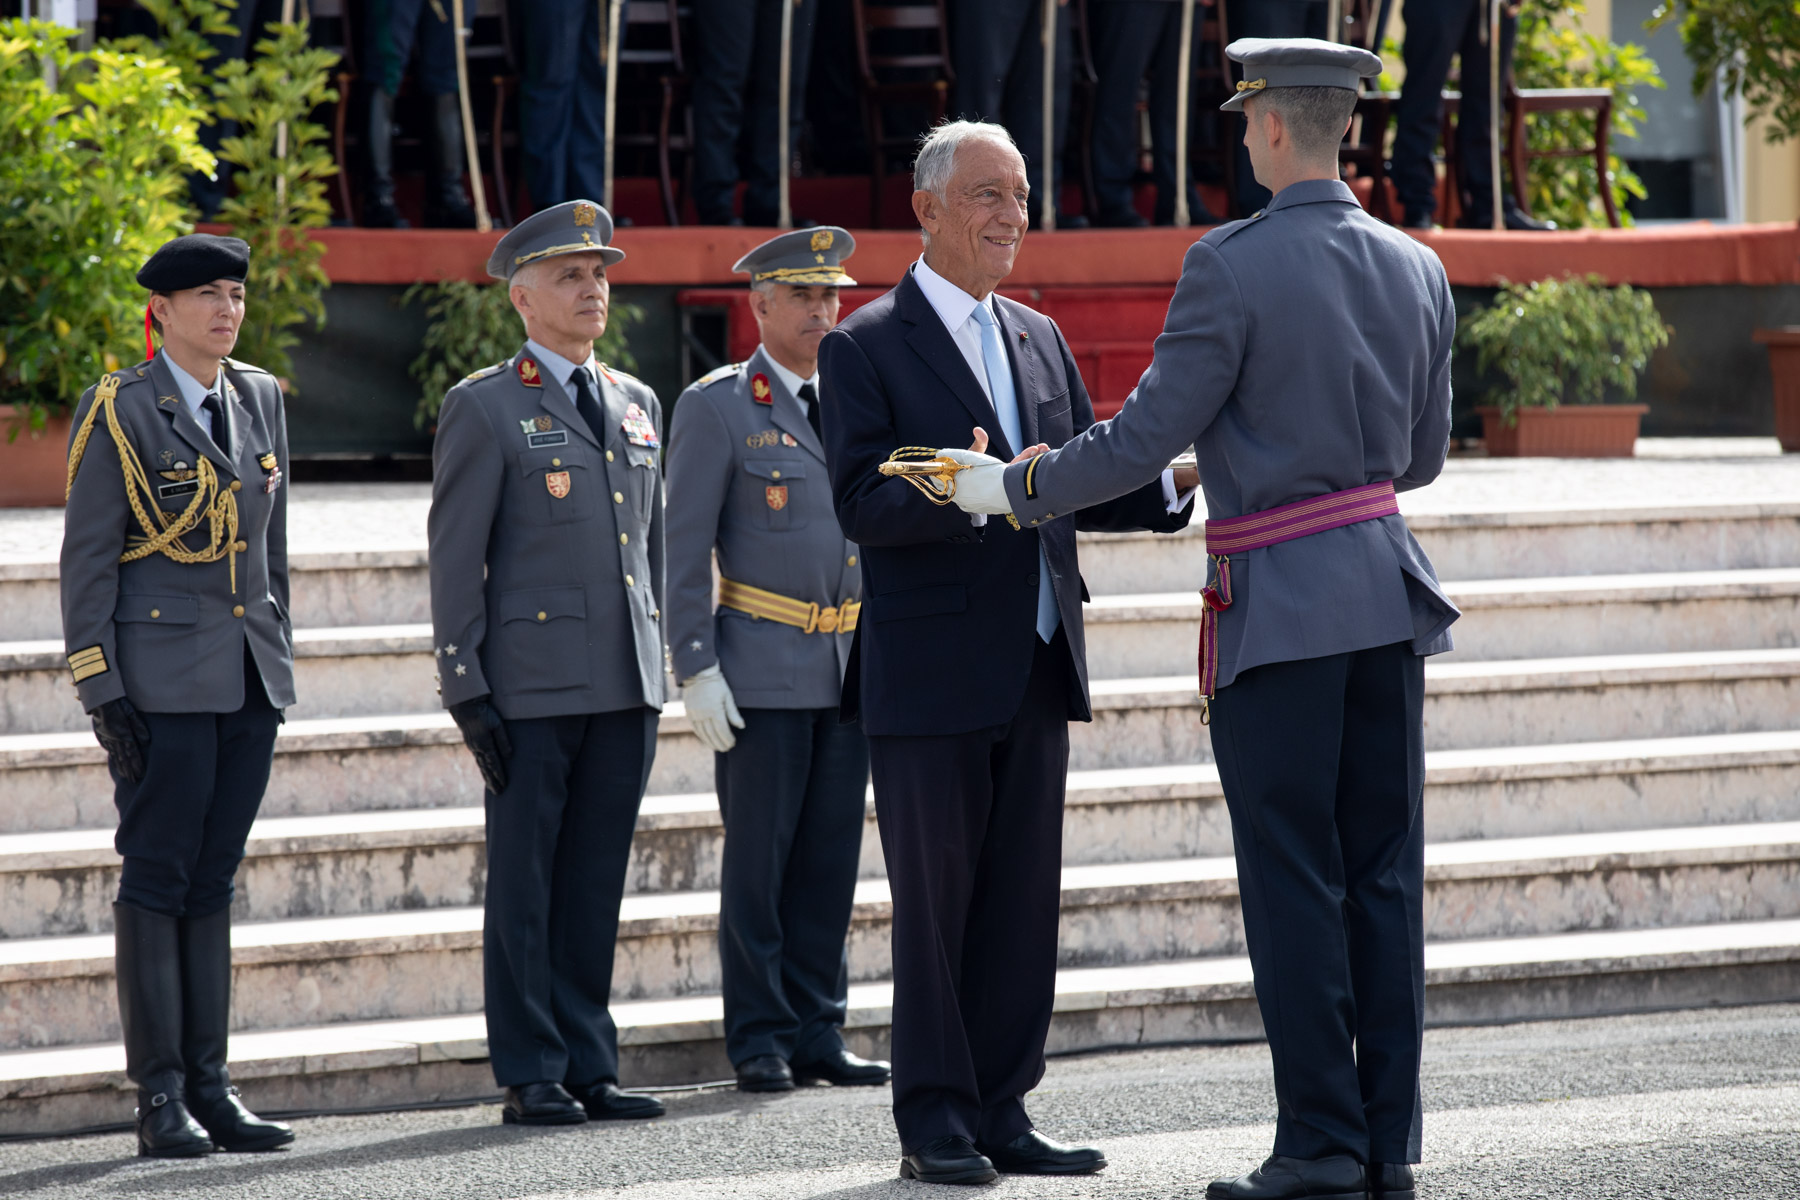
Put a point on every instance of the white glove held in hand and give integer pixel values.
(981, 488)
(711, 710)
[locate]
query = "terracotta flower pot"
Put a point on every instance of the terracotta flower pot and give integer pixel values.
(33, 470)
(1784, 366)
(1572, 431)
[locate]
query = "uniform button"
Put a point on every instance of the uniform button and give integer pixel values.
(556, 462)
(155, 613)
(240, 547)
(543, 616)
(851, 561)
(609, 456)
(774, 474)
(237, 485)
(630, 582)
(1031, 580)
(238, 611)
(618, 497)
(624, 539)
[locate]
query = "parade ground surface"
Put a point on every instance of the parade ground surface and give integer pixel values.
(1686, 1104)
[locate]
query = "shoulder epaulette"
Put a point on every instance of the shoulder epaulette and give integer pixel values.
(483, 373)
(235, 365)
(1230, 229)
(725, 372)
(613, 373)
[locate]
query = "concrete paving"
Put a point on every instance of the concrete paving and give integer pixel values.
(1691, 1104)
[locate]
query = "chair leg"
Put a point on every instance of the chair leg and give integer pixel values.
(502, 193)
(1519, 158)
(662, 154)
(339, 118)
(1602, 128)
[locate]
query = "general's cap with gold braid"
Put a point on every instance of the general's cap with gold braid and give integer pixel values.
(578, 227)
(1297, 62)
(804, 258)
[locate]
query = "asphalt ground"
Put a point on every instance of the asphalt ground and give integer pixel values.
(1686, 1104)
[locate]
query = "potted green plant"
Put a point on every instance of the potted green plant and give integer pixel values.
(1752, 47)
(1559, 345)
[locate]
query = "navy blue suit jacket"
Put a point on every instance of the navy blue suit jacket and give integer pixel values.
(946, 637)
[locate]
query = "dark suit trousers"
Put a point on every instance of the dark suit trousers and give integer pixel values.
(738, 58)
(971, 827)
(182, 826)
(558, 840)
(997, 49)
(792, 792)
(1435, 33)
(1323, 765)
(562, 101)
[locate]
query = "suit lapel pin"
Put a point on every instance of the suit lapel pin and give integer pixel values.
(1023, 336)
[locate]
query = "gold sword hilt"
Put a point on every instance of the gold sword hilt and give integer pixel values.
(934, 475)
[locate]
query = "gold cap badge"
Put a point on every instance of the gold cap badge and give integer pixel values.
(822, 240)
(585, 214)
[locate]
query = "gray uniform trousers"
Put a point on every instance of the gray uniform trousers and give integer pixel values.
(747, 482)
(546, 594)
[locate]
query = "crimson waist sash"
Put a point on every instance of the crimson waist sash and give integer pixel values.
(1271, 527)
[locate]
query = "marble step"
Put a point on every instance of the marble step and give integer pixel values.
(357, 671)
(53, 781)
(56, 991)
(345, 864)
(389, 587)
(395, 1063)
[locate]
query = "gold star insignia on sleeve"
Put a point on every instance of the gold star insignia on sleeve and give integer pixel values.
(450, 650)
(461, 670)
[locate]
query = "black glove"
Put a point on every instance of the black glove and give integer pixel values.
(485, 734)
(124, 736)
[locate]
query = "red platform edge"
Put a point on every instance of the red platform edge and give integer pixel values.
(1686, 255)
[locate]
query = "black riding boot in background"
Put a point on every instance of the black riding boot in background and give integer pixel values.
(446, 205)
(147, 955)
(378, 211)
(206, 1022)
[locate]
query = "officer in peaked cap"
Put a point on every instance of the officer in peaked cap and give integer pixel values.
(1321, 608)
(174, 580)
(546, 543)
(761, 674)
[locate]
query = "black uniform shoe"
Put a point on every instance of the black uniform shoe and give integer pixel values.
(1123, 219)
(1512, 218)
(165, 1129)
(206, 1023)
(947, 1160)
(1419, 220)
(843, 1069)
(1391, 1181)
(765, 1073)
(147, 953)
(1031, 1153)
(604, 1101)
(541, 1104)
(1338, 1178)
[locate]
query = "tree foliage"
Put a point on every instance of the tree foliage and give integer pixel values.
(1563, 341)
(1754, 43)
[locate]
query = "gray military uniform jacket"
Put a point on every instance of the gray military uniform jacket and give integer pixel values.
(170, 636)
(748, 480)
(1306, 351)
(547, 545)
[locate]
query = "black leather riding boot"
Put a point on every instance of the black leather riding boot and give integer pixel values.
(147, 957)
(446, 207)
(378, 210)
(205, 1026)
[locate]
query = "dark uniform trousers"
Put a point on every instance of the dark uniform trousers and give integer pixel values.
(558, 843)
(1323, 768)
(1133, 38)
(182, 827)
(562, 101)
(1269, 19)
(997, 49)
(391, 28)
(1435, 33)
(737, 62)
(971, 827)
(792, 793)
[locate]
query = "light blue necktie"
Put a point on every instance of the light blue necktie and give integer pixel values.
(1006, 407)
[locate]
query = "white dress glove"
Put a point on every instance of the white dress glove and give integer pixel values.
(981, 488)
(711, 710)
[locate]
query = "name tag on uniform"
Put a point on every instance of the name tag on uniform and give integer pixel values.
(167, 490)
(556, 437)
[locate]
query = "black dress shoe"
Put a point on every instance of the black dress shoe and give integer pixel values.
(165, 1129)
(541, 1104)
(1418, 220)
(1391, 1181)
(1511, 218)
(1031, 1153)
(1337, 1178)
(234, 1127)
(843, 1069)
(765, 1073)
(605, 1101)
(947, 1160)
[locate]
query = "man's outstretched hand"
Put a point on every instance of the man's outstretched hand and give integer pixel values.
(982, 488)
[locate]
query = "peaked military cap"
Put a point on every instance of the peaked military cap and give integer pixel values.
(803, 257)
(1297, 62)
(193, 260)
(576, 227)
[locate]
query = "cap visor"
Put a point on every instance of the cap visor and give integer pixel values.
(1236, 103)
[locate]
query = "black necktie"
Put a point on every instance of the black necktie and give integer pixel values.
(588, 404)
(809, 396)
(221, 432)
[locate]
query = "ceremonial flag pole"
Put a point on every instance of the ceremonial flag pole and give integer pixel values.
(1334, 20)
(1047, 159)
(482, 222)
(287, 18)
(784, 218)
(610, 50)
(1494, 108)
(1184, 56)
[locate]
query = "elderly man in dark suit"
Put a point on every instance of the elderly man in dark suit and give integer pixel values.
(969, 661)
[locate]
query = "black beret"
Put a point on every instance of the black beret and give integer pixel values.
(193, 260)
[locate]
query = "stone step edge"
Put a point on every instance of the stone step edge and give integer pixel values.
(362, 1046)
(310, 939)
(419, 827)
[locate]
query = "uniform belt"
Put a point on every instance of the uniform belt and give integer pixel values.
(803, 615)
(1271, 527)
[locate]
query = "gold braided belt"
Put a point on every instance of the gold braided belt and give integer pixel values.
(803, 615)
(161, 535)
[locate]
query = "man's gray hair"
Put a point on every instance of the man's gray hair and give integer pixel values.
(936, 162)
(1315, 117)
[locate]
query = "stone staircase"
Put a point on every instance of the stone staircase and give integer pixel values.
(1613, 806)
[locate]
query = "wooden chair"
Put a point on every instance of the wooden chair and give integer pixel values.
(333, 25)
(1366, 146)
(1522, 102)
(877, 26)
(650, 51)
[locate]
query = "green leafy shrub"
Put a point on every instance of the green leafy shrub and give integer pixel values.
(1563, 341)
(1552, 53)
(94, 180)
(1755, 42)
(474, 325)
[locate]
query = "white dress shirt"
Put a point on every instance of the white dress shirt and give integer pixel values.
(791, 380)
(562, 370)
(194, 393)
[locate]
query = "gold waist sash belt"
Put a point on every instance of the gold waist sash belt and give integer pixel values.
(803, 615)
